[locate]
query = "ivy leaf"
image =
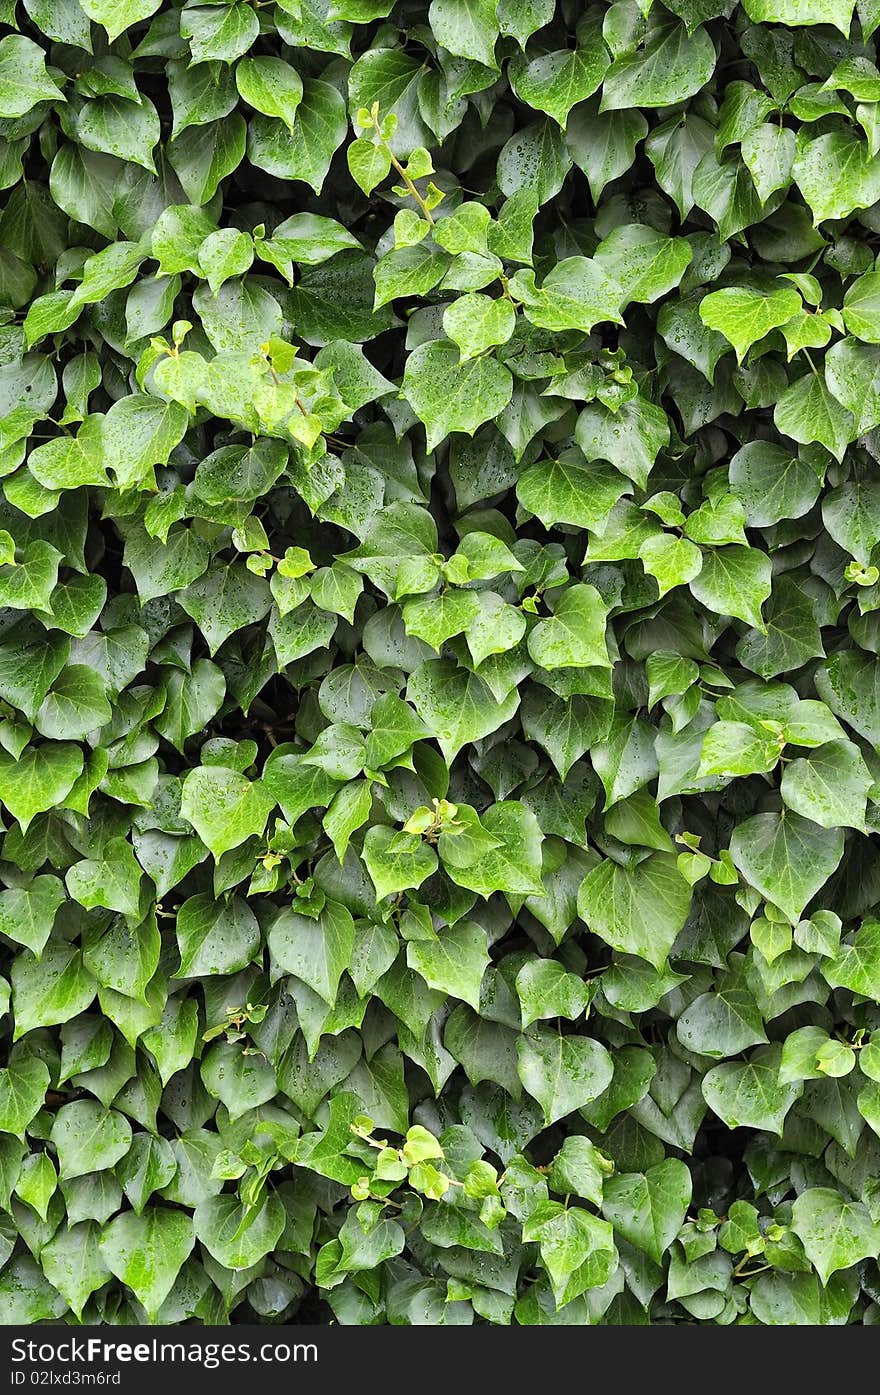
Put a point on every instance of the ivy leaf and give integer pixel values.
(397, 861)
(215, 939)
(118, 15)
(457, 707)
(75, 705)
(648, 1208)
(829, 786)
(575, 635)
(73, 1264)
(749, 1094)
(448, 395)
(734, 581)
(545, 989)
(454, 963)
(834, 1232)
(637, 910)
(671, 67)
(773, 483)
(629, 438)
(147, 1252)
(836, 174)
(467, 30)
(857, 965)
(39, 779)
(576, 294)
(89, 1138)
(270, 86)
(23, 1086)
(786, 857)
(28, 584)
(577, 1248)
(562, 1073)
(567, 491)
(806, 411)
(224, 807)
(721, 1024)
(744, 315)
(316, 951)
(513, 864)
(642, 261)
(218, 1225)
(555, 82)
(23, 78)
(477, 322)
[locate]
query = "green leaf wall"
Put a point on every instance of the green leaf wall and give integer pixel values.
(440, 662)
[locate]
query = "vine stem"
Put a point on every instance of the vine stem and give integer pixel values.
(411, 188)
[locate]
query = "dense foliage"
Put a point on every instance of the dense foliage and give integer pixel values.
(439, 661)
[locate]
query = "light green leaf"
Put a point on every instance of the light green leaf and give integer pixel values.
(224, 807)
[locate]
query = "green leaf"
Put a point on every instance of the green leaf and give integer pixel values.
(745, 316)
(146, 1252)
(637, 910)
(576, 294)
(834, 1232)
(672, 66)
(829, 786)
(218, 1223)
(41, 778)
(630, 438)
(457, 707)
(270, 86)
(451, 396)
(513, 865)
(562, 1073)
(75, 705)
(773, 483)
(454, 963)
(734, 581)
(857, 965)
(28, 584)
(315, 950)
(215, 939)
(23, 78)
(786, 857)
(89, 1138)
(113, 880)
(27, 913)
(477, 322)
(567, 491)
(23, 1086)
(749, 1094)
(807, 412)
(545, 989)
(642, 261)
(224, 807)
(575, 635)
(861, 308)
(648, 1208)
(721, 1024)
(138, 433)
(73, 1263)
(118, 15)
(555, 82)
(577, 1248)
(836, 174)
(396, 861)
(468, 30)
